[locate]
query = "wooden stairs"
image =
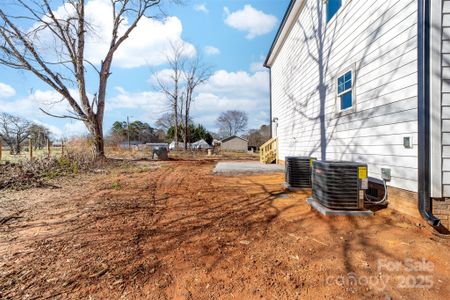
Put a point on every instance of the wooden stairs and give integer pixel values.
(268, 152)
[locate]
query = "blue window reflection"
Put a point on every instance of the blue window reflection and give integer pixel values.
(332, 8)
(345, 90)
(346, 100)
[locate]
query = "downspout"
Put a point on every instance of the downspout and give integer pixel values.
(271, 120)
(423, 110)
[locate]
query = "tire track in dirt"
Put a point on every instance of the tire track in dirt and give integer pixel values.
(89, 234)
(179, 232)
(206, 226)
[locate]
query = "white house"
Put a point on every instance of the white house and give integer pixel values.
(201, 145)
(368, 81)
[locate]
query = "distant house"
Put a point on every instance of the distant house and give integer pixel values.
(152, 146)
(179, 146)
(57, 144)
(124, 145)
(234, 143)
(201, 144)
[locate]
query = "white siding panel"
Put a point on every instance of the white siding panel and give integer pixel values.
(446, 73)
(377, 39)
(446, 20)
(446, 178)
(446, 7)
(446, 152)
(445, 90)
(446, 138)
(446, 165)
(446, 190)
(446, 99)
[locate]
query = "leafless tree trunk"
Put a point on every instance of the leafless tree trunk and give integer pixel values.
(14, 131)
(196, 73)
(18, 50)
(171, 88)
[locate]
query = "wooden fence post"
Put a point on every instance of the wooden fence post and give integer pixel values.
(62, 147)
(48, 149)
(30, 149)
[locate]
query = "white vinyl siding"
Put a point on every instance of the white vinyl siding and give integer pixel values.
(377, 38)
(445, 113)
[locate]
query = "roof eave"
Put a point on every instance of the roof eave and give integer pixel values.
(283, 29)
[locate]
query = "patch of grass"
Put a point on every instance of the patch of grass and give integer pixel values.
(25, 156)
(75, 167)
(116, 186)
(51, 174)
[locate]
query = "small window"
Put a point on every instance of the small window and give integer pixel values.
(345, 91)
(332, 8)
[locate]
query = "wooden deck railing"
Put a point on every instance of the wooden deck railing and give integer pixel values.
(268, 152)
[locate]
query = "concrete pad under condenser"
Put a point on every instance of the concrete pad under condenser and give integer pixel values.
(243, 167)
(332, 212)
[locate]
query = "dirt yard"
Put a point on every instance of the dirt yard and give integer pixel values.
(175, 231)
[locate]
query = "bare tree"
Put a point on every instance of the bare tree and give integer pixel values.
(257, 137)
(14, 131)
(232, 122)
(171, 86)
(19, 50)
(39, 134)
(165, 121)
(195, 73)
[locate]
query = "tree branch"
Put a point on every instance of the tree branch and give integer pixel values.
(63, 116)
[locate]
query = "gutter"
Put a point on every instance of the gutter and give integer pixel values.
(425, 204)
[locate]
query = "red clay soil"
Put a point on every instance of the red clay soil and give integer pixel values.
(175, 231)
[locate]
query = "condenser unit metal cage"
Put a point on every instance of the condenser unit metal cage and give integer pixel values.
(298, 171)
(339, 185)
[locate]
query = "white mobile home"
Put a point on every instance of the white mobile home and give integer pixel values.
(368, 81)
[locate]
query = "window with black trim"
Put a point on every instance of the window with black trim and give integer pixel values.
(332, 8)
(345, 91)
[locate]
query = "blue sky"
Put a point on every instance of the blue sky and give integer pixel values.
(232, 36)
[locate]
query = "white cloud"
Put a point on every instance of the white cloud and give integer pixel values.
(211, 50)
(51, 101)
(146, 106)
(28, 106)
(233, 90)
(149, 43)
(55, 130)
(74, 128)
(146, 45)
(250, 20)
(224, 90)
(201, 8)
(6, 90)
(164, 76)
(258, 66)
(238, 83)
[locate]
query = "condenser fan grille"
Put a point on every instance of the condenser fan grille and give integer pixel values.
(336, 184)
(298, 171)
